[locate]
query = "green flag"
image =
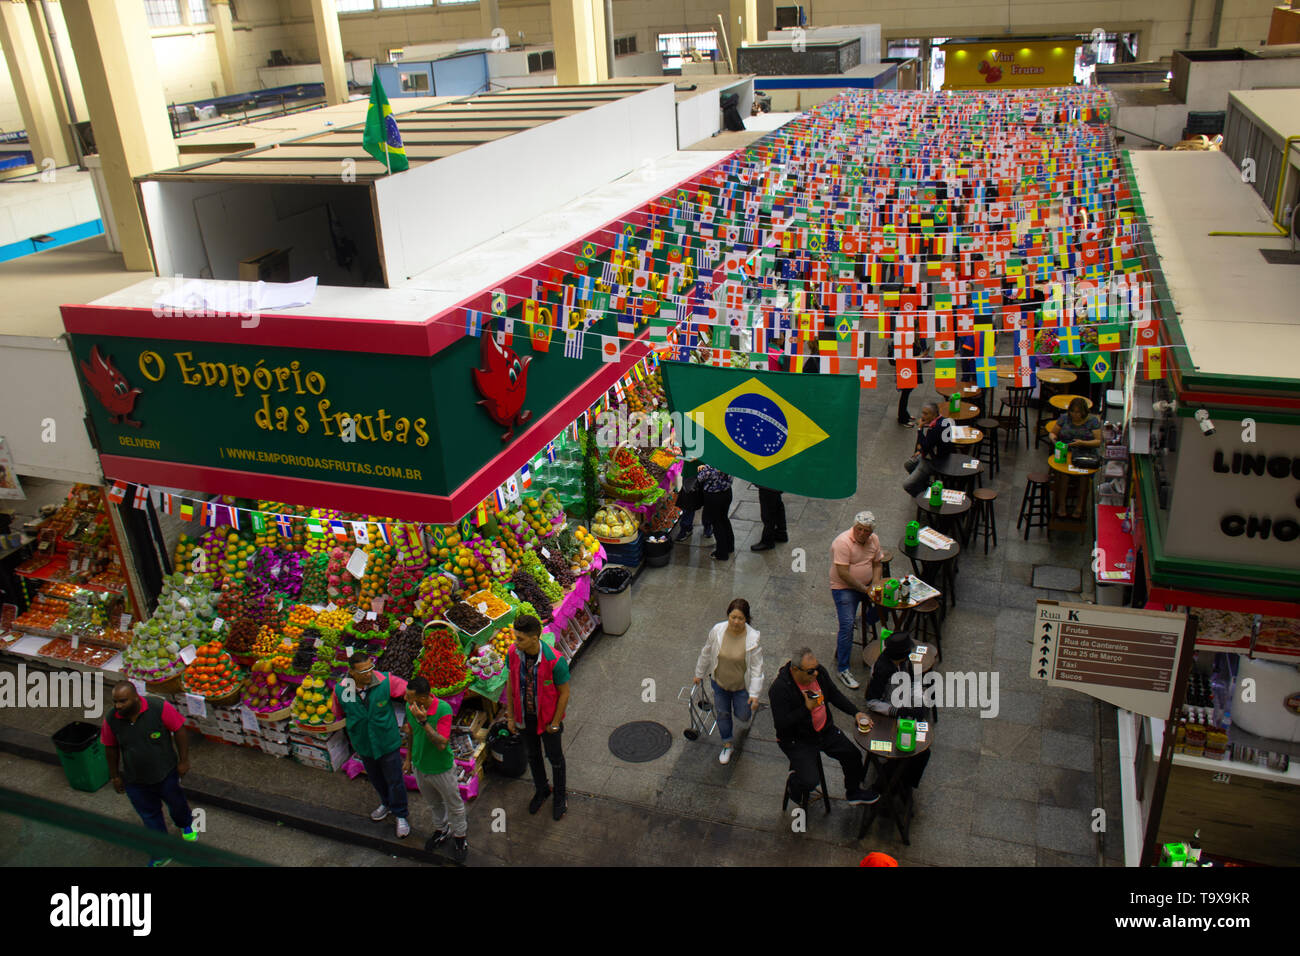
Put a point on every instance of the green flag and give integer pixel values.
(381, 138)
(797, 433)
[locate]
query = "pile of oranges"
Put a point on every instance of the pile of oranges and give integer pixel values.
(213, 673)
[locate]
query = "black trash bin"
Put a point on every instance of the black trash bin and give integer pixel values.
(509, 753)
(614, 596)
(658, 550)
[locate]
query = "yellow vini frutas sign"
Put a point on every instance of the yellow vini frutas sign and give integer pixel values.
(982, 66)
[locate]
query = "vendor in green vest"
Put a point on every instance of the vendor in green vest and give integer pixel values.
(428, 734)
(366, 698)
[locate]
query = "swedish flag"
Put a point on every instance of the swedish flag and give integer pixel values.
(381, 138)
(797, 433)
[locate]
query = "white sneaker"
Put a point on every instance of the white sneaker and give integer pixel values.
(849, 680)
(403, 828)
(379, 813)
(725, 756)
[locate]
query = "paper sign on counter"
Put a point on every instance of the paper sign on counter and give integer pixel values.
(196, 705)
(139, 687)
(248, 720)
(188, 653)
(882, 746)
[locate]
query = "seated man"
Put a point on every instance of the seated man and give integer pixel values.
(932, 441)
(881, 690)
(804, 728)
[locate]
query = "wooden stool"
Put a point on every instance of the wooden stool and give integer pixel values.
(988, 451)
(925, 625)
(1035, 506)
(1013, 412)
(982, 520)
(821, 793)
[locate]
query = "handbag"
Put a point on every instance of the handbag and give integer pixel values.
(1087, 458)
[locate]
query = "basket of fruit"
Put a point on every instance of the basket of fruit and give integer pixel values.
(313, 706)
(213, 675)
(614, 524)
(442, 662)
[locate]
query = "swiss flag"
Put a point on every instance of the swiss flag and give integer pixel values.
(867, 372)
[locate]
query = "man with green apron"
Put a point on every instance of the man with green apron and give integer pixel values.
(428, 734)
(366, 698)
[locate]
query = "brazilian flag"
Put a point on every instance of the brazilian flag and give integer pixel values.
(382, 139)
(1099, 366)
(797, 433)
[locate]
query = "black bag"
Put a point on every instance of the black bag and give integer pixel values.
(1086, 458)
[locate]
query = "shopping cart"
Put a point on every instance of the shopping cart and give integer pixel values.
(701, 710)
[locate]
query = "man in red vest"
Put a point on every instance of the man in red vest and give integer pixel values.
(537, 700)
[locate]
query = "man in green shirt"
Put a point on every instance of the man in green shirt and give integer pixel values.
(365, 699)
(428, 731)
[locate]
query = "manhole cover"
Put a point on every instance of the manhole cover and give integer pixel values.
(640, 741)
(1057, 579)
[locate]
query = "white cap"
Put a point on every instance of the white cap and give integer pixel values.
(865, 517)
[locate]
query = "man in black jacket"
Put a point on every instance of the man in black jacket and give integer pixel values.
(804, 727)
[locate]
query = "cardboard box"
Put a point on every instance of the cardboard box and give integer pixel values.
(228, 715)
(269, 266)
(232, 736)
(275, 750)
(327, 753)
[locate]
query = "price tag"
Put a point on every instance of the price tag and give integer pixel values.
(248, 720)
(371, 616)
(357, 563)
(920, 736)
(275, 571)
(76, 641)
(922, 726)
(188, 653)
(216, 623)
(83, 597)
(482, 607)
(348, 650)
(139, 686)
(189, 580)
(196, 705)
(546, 554)
(359, 615)
(331, 606)
(124, 622)
(922, 649)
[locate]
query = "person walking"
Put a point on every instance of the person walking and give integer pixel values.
(717, 508)
(733, 661)
(856, 560)
(365, 699)
(804, 728)
(148, 753)
(689, 500)
(535, 706)
(427, 732)
(771, 510)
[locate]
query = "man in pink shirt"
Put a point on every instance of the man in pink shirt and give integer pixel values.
(855, 568)
(138, 736)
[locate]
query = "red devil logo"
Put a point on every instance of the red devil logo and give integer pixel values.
(111, 388)
(503, 383)
(991, 73)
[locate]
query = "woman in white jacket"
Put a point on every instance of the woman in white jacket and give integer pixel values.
(733, 661)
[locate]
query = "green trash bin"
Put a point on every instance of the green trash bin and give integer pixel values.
(82, 756)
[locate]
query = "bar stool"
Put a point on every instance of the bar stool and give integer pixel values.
(1035, 505)
(1013, 412)
(925, 625)
(820, 793)
(988, 451)
(982, 520)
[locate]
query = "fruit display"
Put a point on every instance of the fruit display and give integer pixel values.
(507, 541)
(435, 596)
(268, 570)
(213, 673)
(183, 617)
(335, 620)
(537, 517)
(305, 656)
(315, 579)
(445, 539)
(238, 553)
(559, 568)
(88, 615)
(61, 649)
(468, 568)
(268, 641)
(342, 586)
(403, 589)
(495, 606)
(613, 523)
(467, 618)
(516, 523)
(264, 691)
(202, 558)
(500, 564)
(533, 565)
(486, 664)
(502, 641)
(528, 590)
(379, 566)
(627, 480)
(41, 616)
(442, 663)
(313, 703)
(663, 458)
(243, 636)
(410, 551)
(399, 654)
(301, 615)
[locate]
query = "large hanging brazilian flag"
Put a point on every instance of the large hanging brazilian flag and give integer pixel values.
(791, 432)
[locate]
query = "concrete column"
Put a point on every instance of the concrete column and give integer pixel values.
(578, 32)
(225, 36)
(329, 46)
(36, 99)
(65, 110)
(124, 95)
(742, 27)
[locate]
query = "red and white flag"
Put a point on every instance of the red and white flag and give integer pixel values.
(141, 497)
(117, 492)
